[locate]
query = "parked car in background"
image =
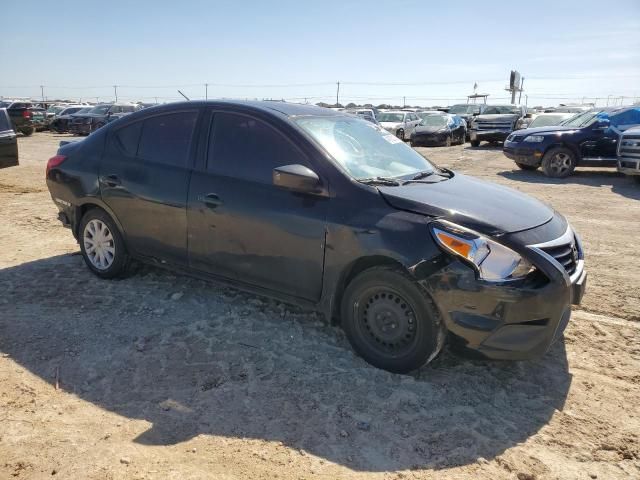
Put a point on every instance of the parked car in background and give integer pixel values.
(629, 153)
(569, 109)
(587, 139)
(55, 111)
(425, 113)
(60, 124)
(544, 120)
(99, 116)
(8, 141)
(399, 123)
(365, 113)
(439, 130)
(319, 209)
(467, 111)
(20, 113)
(495, 123)
(38, 118)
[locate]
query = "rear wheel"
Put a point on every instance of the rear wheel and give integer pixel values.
(524, 166)
(390, 321)
(102, 246)
(27, 131)
(475, 143)
(558, 162)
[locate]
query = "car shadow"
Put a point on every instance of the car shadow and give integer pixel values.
(489, 147)
(619, 183)
(195, 357)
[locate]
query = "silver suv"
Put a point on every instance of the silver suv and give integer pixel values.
(401, 124)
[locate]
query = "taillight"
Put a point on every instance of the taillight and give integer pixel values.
(54, 162)
(26, 114)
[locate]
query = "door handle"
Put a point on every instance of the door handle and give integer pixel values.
(211, 200)
(110, 180)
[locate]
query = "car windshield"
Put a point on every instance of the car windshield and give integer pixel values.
(501, 109)
(464, 109)
(85, 110)
(434, 121)
(5, 104)
(583, 119)
(391, 117)
(363, 149)
(100, 109)
(547, 120)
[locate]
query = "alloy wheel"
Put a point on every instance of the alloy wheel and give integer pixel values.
(560, 163)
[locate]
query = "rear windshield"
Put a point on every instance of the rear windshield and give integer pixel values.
(4, 121)
(465, 109)
(434, 121)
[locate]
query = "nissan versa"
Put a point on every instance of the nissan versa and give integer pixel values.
(325, 210)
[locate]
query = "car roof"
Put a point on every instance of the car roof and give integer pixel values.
(283, 108)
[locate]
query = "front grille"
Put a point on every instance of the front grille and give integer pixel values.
(493, 125)
(566, 255)
(629, 146)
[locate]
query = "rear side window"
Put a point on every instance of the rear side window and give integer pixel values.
(4, 121)
(246, 148)
(167, 138)
(127, 138)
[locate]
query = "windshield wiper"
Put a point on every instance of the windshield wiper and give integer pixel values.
(424, 174)
(389, 182)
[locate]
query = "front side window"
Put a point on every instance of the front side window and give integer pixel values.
(167, 138)
(128, 137)
(362, 149)
(247, 148)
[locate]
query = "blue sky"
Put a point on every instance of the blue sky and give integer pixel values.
(430, 52)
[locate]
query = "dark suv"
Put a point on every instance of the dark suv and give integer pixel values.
(21, 116)
(467, 111)
(8, 141)
(99, 116)
(328, 211)
(587, 139)
(495, 123)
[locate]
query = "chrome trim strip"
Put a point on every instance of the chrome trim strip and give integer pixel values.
(566, 237)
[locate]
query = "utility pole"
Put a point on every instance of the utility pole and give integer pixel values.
(526, 100)
(42, 91)
(206, 91)
(338, 94)
(521, 84)
(115, 91)
(404, 102)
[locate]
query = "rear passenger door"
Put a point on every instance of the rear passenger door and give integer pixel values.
(243, 227)
(144, 179)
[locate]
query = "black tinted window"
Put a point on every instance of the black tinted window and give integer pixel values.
(127, 138)
(167, 138)
(4, 121)
(243, 147)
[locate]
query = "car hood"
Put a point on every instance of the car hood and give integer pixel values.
(423, 130)
(390, 124)
(549, 129)
(498, 117)
(482, 206)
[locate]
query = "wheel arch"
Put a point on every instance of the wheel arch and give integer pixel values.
(91, 204)
(350, 271)
(567, 145)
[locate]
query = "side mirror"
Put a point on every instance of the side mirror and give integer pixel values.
(297, 178)
(601, 124)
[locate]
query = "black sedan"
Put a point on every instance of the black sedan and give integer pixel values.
(8, 141)
(60, 124)
(328, 211)
(439, 130)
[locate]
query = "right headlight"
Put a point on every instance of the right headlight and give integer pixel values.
(534, 138)
(493, 261)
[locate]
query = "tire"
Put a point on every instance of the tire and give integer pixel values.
(475, 143)
(400, 134)
(524, 166)
(389, 321)
(559, 162)
(28, 131)
(110, 261)
(447, 142)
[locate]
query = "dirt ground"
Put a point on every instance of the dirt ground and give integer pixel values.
(162, 376)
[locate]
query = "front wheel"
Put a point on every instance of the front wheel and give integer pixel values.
(27, 131)
(102, 246)
(559, 162)
(390, 321)
(524, 166)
